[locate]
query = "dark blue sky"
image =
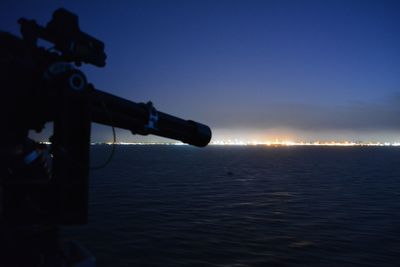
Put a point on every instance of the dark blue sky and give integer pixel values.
(298, 70)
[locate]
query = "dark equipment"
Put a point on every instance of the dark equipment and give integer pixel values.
(38, 192)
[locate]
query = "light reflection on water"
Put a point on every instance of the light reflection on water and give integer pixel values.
(253, 206)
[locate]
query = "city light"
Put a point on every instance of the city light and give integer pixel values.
(276, 143)
(300, 143)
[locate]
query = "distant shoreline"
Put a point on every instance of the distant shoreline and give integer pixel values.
(265, 145)
(272, 144)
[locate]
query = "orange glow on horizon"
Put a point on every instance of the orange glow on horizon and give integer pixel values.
(301, 143)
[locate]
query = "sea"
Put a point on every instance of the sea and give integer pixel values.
(239, 206)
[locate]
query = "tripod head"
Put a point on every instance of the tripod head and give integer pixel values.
(63, 31)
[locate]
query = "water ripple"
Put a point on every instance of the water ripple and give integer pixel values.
(244, 207)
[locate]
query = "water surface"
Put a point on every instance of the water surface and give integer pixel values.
(244, 206)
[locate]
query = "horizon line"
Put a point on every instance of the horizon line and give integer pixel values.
(254, 143)
(236, 142)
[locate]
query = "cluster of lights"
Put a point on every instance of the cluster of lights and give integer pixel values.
(236, 142)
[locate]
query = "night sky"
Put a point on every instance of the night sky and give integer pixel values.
(251, 70)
